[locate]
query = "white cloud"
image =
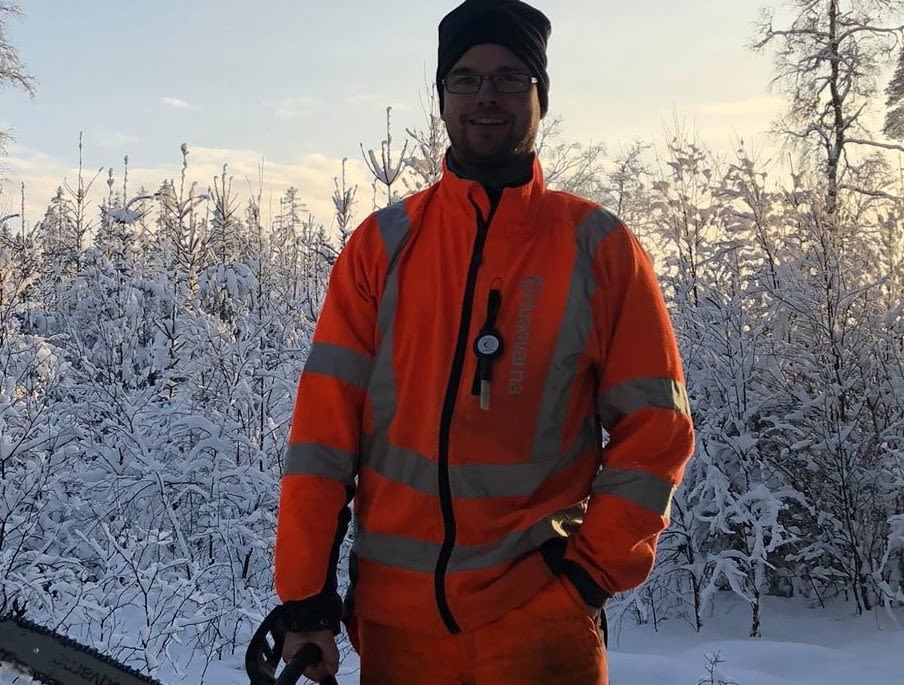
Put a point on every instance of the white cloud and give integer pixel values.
(360, 99)
(753, 107)
(290, 108)
(311, 174)
(107, 139)
(176, 103)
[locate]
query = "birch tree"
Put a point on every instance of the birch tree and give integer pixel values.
(12, 70)
(827, 61)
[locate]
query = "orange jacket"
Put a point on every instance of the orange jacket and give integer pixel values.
(460, 511)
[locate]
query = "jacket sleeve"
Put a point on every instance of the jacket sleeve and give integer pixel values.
(643, 406)
(321, 465)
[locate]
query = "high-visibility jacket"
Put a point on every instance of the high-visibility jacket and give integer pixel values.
(460, 505)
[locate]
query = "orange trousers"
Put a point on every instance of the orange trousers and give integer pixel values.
(550, 639)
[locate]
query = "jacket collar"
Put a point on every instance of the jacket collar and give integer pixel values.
(518, 206)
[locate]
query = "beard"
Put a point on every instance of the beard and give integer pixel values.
(491, 150)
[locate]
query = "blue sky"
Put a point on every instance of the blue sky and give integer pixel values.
(301, 84)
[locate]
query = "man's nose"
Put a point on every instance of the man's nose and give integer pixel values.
(487, 90)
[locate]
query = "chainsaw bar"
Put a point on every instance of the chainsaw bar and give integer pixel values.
(55, 659)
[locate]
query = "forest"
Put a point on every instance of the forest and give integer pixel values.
(150, 348)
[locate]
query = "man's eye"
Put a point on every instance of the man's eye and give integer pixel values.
(465, 81)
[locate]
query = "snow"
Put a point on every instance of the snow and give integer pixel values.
(801, 645)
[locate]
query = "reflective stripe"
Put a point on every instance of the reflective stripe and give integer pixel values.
(631, 396)
(339, 362)
(418, 555)
(642, 488)
(402, 465)
(475, 481)
(313, 459)
(395, 550)
(394, 226)
(574, 330)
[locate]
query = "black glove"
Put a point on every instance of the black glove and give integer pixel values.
(320, 612)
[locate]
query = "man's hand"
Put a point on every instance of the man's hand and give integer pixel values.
(329, 663)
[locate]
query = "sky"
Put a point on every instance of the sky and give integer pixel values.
(285, 89)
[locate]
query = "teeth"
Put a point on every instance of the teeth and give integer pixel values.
(488, 121)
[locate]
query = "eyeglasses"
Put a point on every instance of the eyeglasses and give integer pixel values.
(506, 83)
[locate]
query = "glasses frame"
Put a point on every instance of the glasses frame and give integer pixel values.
(531, 81)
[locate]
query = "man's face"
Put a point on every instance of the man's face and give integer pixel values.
(488, 129)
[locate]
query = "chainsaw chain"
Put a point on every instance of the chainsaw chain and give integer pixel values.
(9, 657)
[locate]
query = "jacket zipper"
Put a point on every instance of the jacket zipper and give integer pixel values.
(461, 347)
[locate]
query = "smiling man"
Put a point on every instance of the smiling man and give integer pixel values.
(476, 341)
(492, 132)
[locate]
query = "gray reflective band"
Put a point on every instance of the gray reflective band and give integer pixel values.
(598, 225)
(402, 466)
(418, 555)
(395, 550)
(339, 362)
(312, 459)
(640, 393)
(642, 488)
(574, 331)
(394, 226)
(473, 481)
(515, 544)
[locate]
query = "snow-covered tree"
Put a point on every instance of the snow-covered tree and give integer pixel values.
(12, 71)
(827, 61)
(569, 165)
(429, 145)
(387, 167)
(343, 204)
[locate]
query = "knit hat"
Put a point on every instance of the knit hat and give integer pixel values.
(513, 24)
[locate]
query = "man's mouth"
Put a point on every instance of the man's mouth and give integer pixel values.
(486, 121)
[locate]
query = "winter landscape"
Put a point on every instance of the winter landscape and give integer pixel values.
(151, 337)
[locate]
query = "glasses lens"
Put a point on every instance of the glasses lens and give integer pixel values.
(463, 83)
(511, 83)
(468, 84)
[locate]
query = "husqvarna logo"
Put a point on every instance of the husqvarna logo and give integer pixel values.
(529, 290)
(84, 672)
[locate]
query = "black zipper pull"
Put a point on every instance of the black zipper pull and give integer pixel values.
(488, 347)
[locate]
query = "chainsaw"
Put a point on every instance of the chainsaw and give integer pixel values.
(46, 656)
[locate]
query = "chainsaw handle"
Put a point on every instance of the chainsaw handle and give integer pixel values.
(308, 655)
(264, 654)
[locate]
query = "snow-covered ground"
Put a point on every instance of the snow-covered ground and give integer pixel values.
(800, 646)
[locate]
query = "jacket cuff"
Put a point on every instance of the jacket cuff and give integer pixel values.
(592, 594)
(553, 552)
(320, 612)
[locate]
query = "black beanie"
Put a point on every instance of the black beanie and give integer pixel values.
(514, 25)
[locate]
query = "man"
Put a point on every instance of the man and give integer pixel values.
(475, 340)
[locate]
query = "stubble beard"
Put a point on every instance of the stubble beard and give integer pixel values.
(501, 156)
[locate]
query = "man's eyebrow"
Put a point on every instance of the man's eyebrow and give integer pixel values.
(500, 70)
(463, 70)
